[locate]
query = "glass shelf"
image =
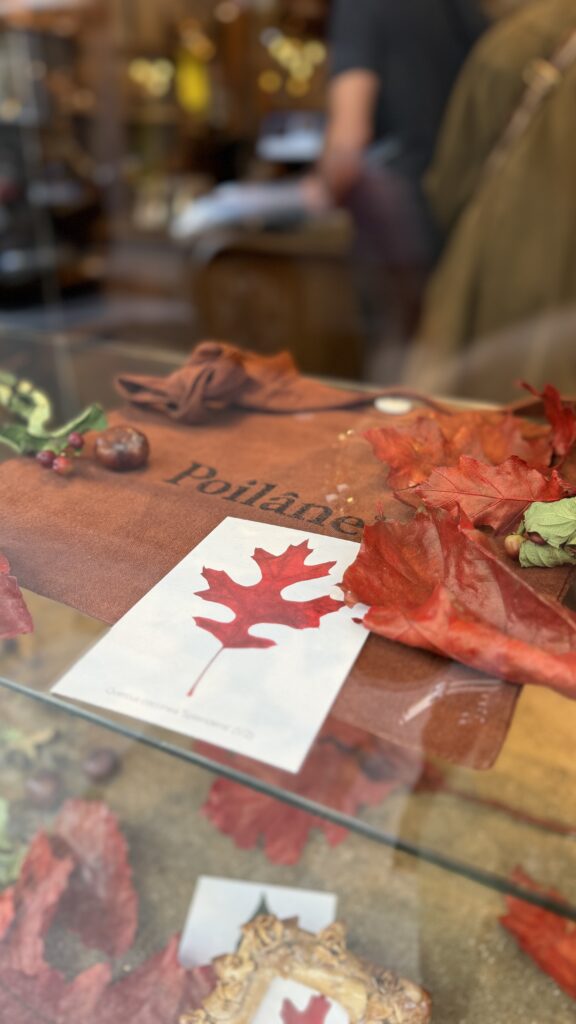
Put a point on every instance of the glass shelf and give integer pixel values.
(475, 825)
(436, 928)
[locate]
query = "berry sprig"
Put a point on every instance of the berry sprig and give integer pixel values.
(62, 463)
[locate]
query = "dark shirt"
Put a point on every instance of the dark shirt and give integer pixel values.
(416, 48)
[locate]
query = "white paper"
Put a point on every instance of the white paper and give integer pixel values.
(221, 906)
(282, 992)
(267, 704)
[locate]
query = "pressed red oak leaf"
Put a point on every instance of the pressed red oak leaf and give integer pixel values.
(346, 770)
(15, 618)
(440, 585)
(262, 602)
(418, 443)
(495, 496)
(560, 415)
(315, 1013)
(100, 903)
(548, 939)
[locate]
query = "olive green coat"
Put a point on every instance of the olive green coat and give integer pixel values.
(502, 302)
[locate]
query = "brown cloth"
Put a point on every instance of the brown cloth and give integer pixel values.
(218, 376)
(100, 540)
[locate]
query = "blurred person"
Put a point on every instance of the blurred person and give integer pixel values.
(503, 187)
(393, 67)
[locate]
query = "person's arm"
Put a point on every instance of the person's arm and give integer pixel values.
(351, 109)
(353, 92)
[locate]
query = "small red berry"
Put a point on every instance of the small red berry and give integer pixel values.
(63, 465)
(46, 458)
(76, 441)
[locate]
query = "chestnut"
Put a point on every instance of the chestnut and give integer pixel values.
(122, 448)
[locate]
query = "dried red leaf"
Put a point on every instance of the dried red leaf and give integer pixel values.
(315, 1012)
(548, 939)
(416, 445)
(48, 998)
(100, 903)
(29, 906)
(439, 585)
(15, 618)
(263, 602)
(344, 771)
(158, 992)
(56, 867)
(495, 496)
(561, 417)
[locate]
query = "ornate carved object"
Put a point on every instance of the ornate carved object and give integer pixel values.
(272, 949)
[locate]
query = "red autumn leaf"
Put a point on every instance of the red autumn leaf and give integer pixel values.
(263, 602)
(28, 906)
(100, 903)
(158, 992)
(419, 443)
(31, 990)
(49, 998)
(345, 771)
(440, 585)
(14, 616)
(548, 939)
(495, 496)
(561, 417)
(315, 1012)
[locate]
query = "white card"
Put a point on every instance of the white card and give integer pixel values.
(221, 906)
(288, 1002)
(266, 702)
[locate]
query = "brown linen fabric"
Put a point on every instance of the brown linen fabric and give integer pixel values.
(99, 541)
(218, 376)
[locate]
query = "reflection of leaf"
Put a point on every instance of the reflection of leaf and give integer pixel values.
(261, 909)
(548, 939)
(100, 903)
(14, 741)
(345, 770)
(315, 1012)
(439, 585)
(495, 496)
(11, 855)
(31, 991)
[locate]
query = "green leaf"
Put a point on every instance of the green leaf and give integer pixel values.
(543, 556)
(555, 521)
(11, 856)
(25, 441)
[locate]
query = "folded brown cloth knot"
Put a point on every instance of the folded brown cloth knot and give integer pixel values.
(218, 376)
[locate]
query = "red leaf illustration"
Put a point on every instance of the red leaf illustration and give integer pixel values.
(548, 939)
(31, 990)
(495, 496)
(419, 443)
(437, 584)
(561, 417)
(345, 770)
(262, 602)
(14, 616)
(315, 1012)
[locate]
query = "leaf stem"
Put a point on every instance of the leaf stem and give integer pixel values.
(192, 691)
